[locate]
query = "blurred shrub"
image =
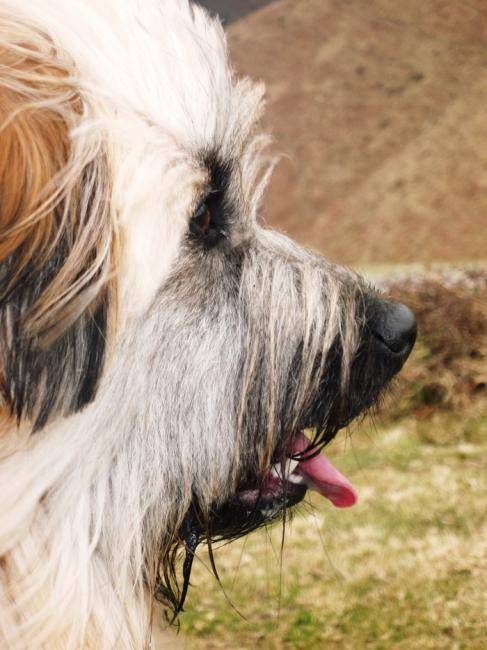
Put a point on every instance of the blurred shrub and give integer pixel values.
(447, 372)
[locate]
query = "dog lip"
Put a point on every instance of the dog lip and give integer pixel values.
(275, 491)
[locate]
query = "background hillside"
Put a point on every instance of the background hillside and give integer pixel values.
(380, 108)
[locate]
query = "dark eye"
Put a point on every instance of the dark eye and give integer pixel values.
(207, 221)
(202, 221)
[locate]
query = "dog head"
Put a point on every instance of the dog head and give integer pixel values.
(162, 352)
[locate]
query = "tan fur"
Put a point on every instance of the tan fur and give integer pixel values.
(34, 148)
(43, 179)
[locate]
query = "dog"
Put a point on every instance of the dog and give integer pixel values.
(161, 352)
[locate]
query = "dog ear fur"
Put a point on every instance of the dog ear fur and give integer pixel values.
(56, 235)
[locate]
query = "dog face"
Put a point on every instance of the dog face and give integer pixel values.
(162, 351)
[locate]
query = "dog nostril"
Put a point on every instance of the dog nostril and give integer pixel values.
(395, 325)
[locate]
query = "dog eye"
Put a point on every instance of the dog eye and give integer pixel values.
(202, 220)
(206, 223)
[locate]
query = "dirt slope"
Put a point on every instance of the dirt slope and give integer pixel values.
(382, 109)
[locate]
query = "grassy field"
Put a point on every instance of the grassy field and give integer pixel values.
(407, 567)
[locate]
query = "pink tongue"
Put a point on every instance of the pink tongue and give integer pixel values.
(321, 475)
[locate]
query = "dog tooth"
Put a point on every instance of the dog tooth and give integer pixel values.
(275, 471)
(280, 473)
(296, 479)
(278, 470)
(291, 465)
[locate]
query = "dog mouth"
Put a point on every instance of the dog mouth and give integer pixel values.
(286, 483)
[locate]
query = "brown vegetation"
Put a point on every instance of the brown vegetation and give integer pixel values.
(449, 367)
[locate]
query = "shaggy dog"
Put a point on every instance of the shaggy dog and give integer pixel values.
(161, 352)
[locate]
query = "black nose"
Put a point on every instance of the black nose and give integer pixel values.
(394, 325)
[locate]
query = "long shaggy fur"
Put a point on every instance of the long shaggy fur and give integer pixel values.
(56, 235)
(146, 372)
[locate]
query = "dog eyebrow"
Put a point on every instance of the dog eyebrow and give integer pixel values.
(220, 172)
